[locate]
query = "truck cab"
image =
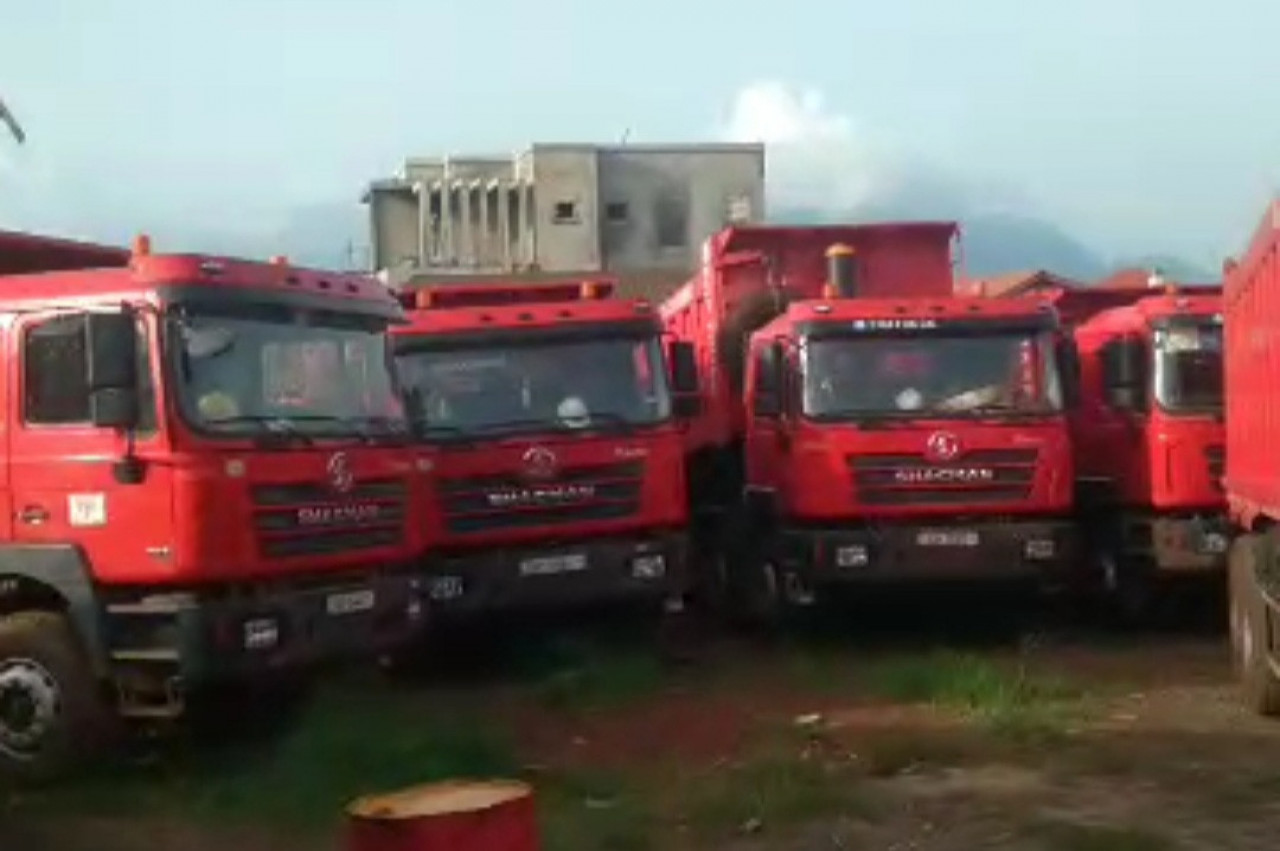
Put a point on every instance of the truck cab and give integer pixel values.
(553, 414)
(862, 424)
(206, 478)
(1149, 440)
(908, 440)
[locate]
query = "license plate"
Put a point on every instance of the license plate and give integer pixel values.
(546, 565)
(947, 538)
(349, 602)
(445, 587)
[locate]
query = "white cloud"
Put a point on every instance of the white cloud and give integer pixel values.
(817, 158)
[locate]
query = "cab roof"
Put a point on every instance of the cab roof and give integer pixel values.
(200, 278)
(458, 309)
(910, 315)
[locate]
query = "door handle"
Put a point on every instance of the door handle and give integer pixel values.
(33, 515)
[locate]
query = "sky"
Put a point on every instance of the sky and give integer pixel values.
(1139, 127)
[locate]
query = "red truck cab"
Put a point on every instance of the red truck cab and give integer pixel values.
(554, 419)
(889, 431)
(1252, 319)
(1148, 437)
(170, 519)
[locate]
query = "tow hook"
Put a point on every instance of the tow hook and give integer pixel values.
(793, 588)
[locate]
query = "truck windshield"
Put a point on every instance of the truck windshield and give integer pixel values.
(845, 378)
(301, 373)
(1188, 367)
(535, 385)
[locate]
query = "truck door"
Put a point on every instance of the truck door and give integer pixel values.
(63, 469)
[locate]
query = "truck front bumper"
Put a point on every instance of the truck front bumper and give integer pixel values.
(1189, 545)
(1041, 549)
(265, 630)
(596, 571)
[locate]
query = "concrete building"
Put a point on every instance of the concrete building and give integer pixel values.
(628, 210)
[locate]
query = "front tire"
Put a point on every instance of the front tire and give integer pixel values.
(1248, 618)
(52, 713)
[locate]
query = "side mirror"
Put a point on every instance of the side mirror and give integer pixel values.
(1125, 374)
(112, 369)
(686, 402)
(684, 368)
(1068, 358)
(767, 393)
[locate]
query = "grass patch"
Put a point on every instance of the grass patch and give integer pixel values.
(589, 812)
(889, 753)
(346, 745)
(1011, 703)
(1058, 835)
(587, 671)
(773, 791)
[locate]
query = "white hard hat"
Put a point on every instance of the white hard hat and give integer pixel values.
(573, 412)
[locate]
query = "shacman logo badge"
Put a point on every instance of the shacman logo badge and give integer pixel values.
(942, 446)
(339, 470)
(539, 462)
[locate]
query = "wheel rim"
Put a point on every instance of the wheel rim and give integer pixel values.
(29, 707)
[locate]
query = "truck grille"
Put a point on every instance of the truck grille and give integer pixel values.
(310, 519)
(602, 492)
(1215, 458)
(983, 475)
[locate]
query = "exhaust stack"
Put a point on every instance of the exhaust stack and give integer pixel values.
(841, 274)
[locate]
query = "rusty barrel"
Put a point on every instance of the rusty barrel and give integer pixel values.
(488, 815)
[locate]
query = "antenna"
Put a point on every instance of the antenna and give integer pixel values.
(626, 134)
(12, 123)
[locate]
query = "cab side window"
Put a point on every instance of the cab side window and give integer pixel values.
(55, 376)
(54, 379)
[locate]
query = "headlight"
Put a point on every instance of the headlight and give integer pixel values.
(651, 566)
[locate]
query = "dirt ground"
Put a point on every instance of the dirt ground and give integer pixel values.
(1059, 742)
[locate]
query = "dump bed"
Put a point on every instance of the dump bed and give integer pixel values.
(24, 253)
(1252, 336)
(749, 274)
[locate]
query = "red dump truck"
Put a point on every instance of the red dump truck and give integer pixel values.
(553, 411)
(1148, 437)
(863, 425)
(1252, 309)
(29, 252)
(180, 508)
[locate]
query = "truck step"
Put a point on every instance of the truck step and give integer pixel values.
(163, 712)
(158, 654)
(146, 607)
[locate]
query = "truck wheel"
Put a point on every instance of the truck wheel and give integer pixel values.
(1249, 628)
(52, 714)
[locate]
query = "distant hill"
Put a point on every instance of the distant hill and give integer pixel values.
(336, 236)
(996, 243)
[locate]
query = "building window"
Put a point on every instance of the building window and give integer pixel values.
(738, 210)
(565, 213)
(616, 213)
(671, 220)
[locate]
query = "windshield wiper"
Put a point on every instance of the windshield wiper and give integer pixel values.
(271, 427)
(594, 421)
